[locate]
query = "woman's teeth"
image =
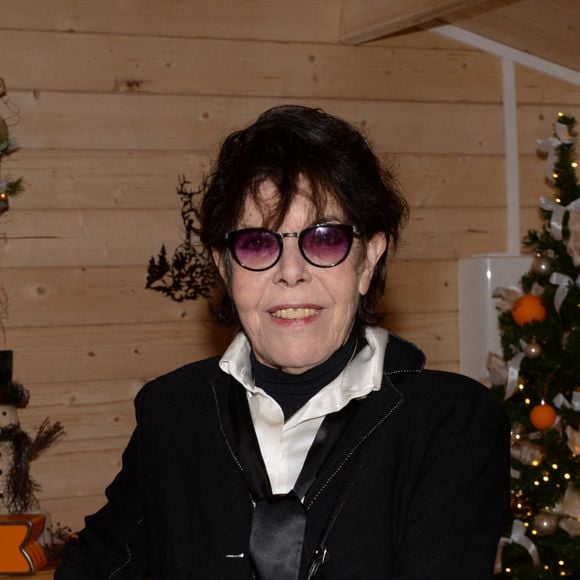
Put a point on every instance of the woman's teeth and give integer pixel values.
(294, 313)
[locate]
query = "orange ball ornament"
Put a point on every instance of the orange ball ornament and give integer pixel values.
(543, 416)
(528, 308)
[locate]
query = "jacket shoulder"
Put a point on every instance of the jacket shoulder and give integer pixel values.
(183, 383)
(461, 399)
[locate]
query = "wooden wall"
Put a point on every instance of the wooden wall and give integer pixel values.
(118, 98)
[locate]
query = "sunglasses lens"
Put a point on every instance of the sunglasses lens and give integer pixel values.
(255, 249)
(327, 245)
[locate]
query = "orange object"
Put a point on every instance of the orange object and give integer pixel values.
(528, 308)
(20, 552)
(543, 416)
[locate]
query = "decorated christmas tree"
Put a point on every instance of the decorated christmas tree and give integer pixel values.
(540, 383)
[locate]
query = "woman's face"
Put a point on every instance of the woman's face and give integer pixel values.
(296, 314)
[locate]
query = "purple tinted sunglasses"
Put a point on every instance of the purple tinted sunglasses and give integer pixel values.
(322, 245)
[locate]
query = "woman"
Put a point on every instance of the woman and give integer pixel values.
(316, 445)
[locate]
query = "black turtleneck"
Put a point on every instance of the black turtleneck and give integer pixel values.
(293, 391)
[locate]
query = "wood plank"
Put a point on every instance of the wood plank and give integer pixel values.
(71, 511)
(451, 180)
(124, 351)
(364, 20)
(533, 87)
(419, 37)
(183, 66)
(85, 296)
(73, 474)
(60, 120)
(450, 367)
(97, 421)
(437, 234)
(87, 237)
(283, 20)
(481, 232)
(544, 28)
(436, 334)
(71, 179)
(74, 179)
(415, 286)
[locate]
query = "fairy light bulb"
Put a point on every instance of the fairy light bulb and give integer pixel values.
(555, 175)
(554, 466)
(527, 401)
(574, 164)
(557, 200)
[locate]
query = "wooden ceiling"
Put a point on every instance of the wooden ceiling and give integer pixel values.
(549, 29)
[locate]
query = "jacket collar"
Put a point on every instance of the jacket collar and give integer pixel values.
(401, 358)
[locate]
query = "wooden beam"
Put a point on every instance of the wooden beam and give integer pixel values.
(365, 20)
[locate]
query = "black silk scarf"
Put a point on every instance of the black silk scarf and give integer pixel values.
(279, 520)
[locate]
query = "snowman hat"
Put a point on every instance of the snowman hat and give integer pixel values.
(11, 392)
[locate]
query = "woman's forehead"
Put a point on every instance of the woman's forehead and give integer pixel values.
(263, 207)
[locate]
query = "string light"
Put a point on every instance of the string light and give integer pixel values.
(521, 386)
(527, 401)
(555, 176)
(566, 476)
(557, 200)
(546, 478)
(536, 483)
(554, 466)
(574, 164)
(561, 562)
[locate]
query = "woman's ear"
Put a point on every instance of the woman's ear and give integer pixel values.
(375, 248)
(219, 260)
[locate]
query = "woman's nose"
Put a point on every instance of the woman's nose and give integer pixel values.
(292, 269)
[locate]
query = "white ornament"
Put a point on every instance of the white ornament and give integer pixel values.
(573, 241)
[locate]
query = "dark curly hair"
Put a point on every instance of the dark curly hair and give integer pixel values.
(284, 145)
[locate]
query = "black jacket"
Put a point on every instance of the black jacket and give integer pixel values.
(429, 503)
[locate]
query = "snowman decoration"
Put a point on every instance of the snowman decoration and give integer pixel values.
(17, 448)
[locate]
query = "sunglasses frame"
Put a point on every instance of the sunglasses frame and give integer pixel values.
(230, 239)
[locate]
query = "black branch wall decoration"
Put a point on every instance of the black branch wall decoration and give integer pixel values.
(190, 274)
